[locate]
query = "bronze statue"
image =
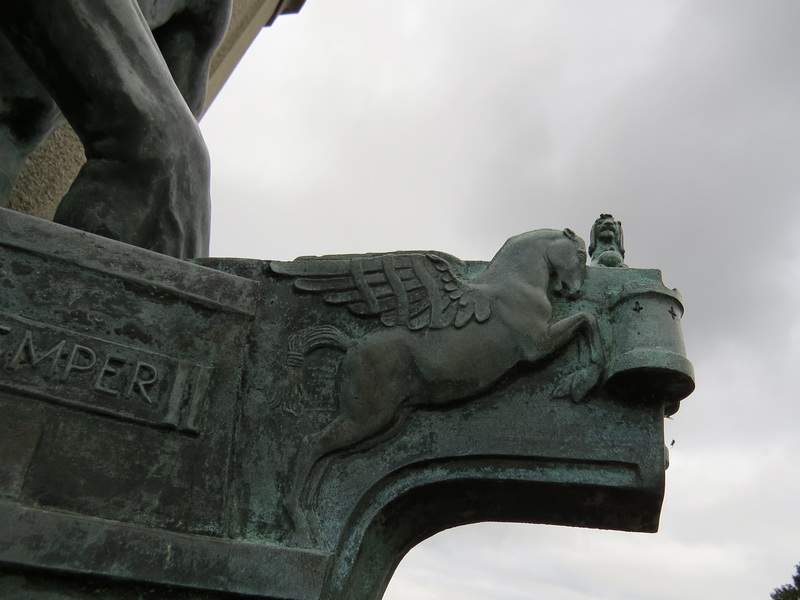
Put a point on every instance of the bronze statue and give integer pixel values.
(605, 242)
(290, 429)
(132, 97)
(470, 334)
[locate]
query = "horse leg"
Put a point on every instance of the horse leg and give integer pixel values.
(372, 386)
(146, 179)
(309, 468)
(354, 445)
(590, 333)
(357, 432)
(578, 384)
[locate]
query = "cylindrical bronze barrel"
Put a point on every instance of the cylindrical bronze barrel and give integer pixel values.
(648, 359)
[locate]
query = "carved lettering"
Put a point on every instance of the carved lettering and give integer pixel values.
(111, 367)
(99, 375)
(73, 363)
(27, 347)
(4, 331)
(140, 380)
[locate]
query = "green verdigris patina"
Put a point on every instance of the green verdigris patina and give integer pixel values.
(476, 330)
(132, 97)
(236, 427)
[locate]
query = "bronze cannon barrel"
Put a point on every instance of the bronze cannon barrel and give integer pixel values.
(648, 358)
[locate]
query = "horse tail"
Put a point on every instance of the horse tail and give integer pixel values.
(303, 343)
(290, 393)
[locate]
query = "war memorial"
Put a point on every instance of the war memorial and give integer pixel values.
(176, 426)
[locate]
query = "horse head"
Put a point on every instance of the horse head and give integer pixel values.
(566, 258)
(550, 258)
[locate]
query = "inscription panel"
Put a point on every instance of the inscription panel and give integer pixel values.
(53, 364)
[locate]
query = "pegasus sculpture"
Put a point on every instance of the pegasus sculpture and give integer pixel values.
(446, 338)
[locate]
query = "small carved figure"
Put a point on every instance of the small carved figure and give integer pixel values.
(605, 242)
(447, 338)
(131, 96)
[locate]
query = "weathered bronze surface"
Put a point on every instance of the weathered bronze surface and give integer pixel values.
(605, 242)
(132, 98)
(475, 331)
(289, 430)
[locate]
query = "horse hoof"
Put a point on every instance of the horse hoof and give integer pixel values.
(578, 385)
(301, 537)
(563, 390)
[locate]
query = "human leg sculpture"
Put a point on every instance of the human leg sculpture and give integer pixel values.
(146, 179)
(187, 41)
(27, 116)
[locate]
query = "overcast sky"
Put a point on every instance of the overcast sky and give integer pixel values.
(368, 125)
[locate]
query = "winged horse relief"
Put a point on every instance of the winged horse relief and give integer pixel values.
(446, 337)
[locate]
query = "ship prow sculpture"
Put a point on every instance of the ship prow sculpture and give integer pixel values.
(290, 429)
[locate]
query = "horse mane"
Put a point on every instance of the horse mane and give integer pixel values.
(519, 249)
(523, 241)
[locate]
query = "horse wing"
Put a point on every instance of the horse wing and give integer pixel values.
(462, 300)
(411, 289)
